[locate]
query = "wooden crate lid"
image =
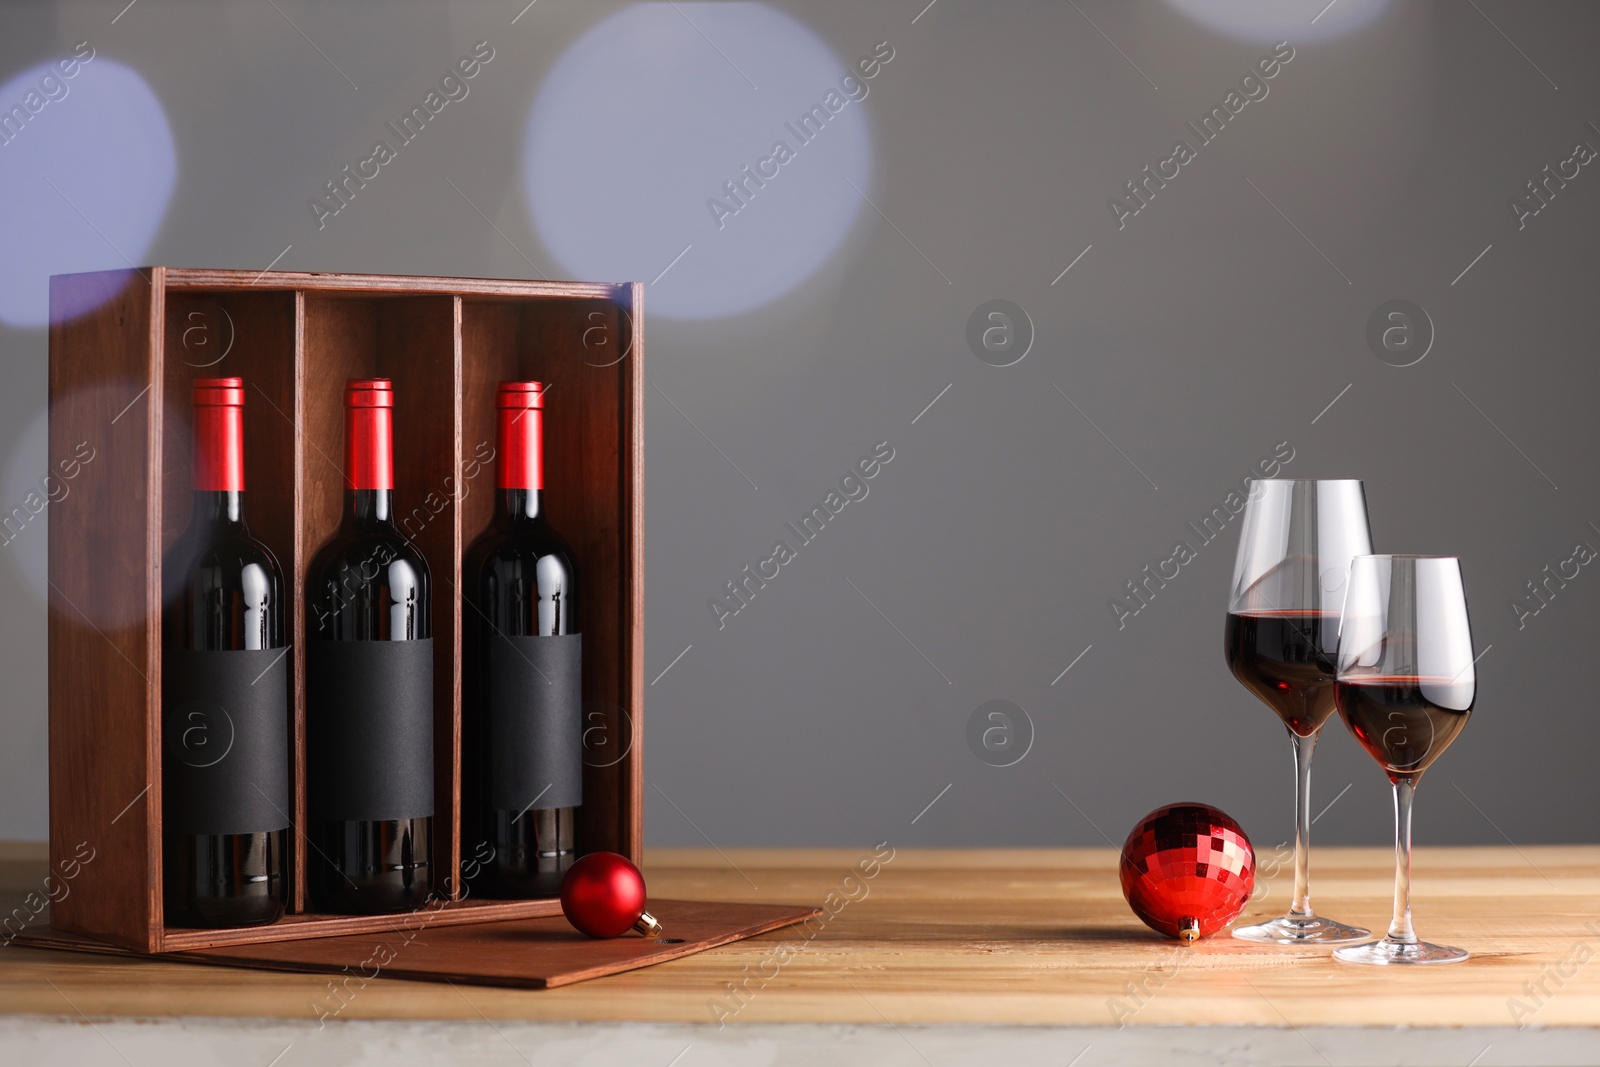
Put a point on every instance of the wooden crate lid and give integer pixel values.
(527, 953)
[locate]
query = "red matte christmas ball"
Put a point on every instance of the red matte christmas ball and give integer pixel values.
(1187, 870)
(603, 896)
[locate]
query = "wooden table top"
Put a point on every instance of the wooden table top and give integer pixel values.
(973, 936)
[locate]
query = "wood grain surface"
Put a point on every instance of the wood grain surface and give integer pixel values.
(179, 278)
(1035, 936)
(104, 574)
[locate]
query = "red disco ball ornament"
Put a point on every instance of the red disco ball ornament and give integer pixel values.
(603, 896)
(1187, 870)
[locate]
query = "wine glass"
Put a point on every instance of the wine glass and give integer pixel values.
(1406, 685)
(1295, 546)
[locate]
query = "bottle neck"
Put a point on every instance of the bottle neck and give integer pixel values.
(518, 505)
(367, 507)
(219, 507)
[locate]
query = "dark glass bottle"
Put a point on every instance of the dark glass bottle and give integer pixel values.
(522, 779)
(225, 694)
(369, 687)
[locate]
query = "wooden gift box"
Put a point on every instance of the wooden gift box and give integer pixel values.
(120, 377)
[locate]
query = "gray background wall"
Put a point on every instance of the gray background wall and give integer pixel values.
(1220, 321)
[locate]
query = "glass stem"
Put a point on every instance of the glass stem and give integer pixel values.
(1400, 928)
(1300, 906)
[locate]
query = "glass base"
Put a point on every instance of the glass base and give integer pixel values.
(1289, 930)
(1390, 951)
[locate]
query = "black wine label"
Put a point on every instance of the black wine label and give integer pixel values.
(369, 729)
(535, 722)
(225, 741)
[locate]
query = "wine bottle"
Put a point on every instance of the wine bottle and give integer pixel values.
(224, 694)
(522, 730)
(369, 687)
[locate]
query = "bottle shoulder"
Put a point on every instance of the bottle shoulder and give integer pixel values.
(368, 584)
(222, 589)
(520, 578)
(365, 546)
(225, 548)
(520, 542)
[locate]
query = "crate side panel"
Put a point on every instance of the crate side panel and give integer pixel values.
(104, 665)
(295, 575)
(630, 780)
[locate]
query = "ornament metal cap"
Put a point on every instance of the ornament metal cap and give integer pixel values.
(647, 925)
(1189, 930)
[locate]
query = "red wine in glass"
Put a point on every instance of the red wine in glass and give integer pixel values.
(1405, 721)
(1279, 657)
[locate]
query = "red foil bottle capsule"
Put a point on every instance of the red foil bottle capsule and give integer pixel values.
(219, 434)
(519, 435)
(369, 433)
